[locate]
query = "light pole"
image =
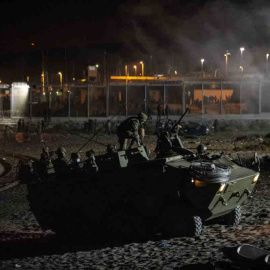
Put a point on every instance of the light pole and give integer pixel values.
(241, 60)
(226, 61)
(61, 79)
(267, 56)
(135, 69)
(202, 60)
(97, 72)
(142, 68)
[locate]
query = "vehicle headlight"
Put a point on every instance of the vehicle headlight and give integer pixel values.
(255, 179)
(198, 183)
(222, 186)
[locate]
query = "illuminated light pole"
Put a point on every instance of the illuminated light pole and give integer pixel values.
(43, 82)
(142, 68)
(241, 50)
(61, 79)
(241, 68)
(226, 61)
(135, 70)
(267, 56)
(97, 72)
(202, 60)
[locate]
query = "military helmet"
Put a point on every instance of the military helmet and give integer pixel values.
(61, 152)
(111, 148)
(90, 153)
(75, 156)
(142, 116)
(201, 149)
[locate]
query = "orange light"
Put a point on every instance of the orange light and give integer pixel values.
(32, 44)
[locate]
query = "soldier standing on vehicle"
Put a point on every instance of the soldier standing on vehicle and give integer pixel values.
(90, 165)
(130, 129)
(60, 164)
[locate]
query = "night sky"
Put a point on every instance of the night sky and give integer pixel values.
(175, 34)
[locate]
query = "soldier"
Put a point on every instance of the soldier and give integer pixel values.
(6, 134)
(75, 164)
(158, 112)
(42, 126)
(60, 164)
(23, 126)
(90, 165)
(130, 129)
(90, 124)
(19, 127)
(166, 112)
(109, 127)
(149, 112)
(216, 126)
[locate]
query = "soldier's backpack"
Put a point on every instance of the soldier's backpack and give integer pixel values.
(125, 125)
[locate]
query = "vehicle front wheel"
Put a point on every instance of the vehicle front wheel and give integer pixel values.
(233, 218)
(194, 228)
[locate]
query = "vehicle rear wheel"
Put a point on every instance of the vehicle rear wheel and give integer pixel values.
(233, 218)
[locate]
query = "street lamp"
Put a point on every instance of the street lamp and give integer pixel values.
(61, 79)
(241, 68)
(202, 60)
(267, 56)
(97, 72)
(241, 60)
(142, 68)
(135, 69)
(226, 61)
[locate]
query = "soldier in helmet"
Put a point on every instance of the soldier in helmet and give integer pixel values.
(75, 164)
(60, 163)
(130, 129)
(90, 165)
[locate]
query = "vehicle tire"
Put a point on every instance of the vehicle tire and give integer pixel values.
(233, 218)
(194, 228)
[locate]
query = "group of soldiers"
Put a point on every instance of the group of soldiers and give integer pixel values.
(63, 167)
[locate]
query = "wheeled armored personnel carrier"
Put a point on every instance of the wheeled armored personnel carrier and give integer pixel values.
(132, 195)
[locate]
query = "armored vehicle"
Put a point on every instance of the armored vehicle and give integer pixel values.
(132, 195)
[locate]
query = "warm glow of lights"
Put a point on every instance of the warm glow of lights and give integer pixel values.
(221, 188)
(241, 68)
(96, 65)
(267, 55)
(242, 49)
(175, 72)
(32, 44)
(255, 179)
(202, 60)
